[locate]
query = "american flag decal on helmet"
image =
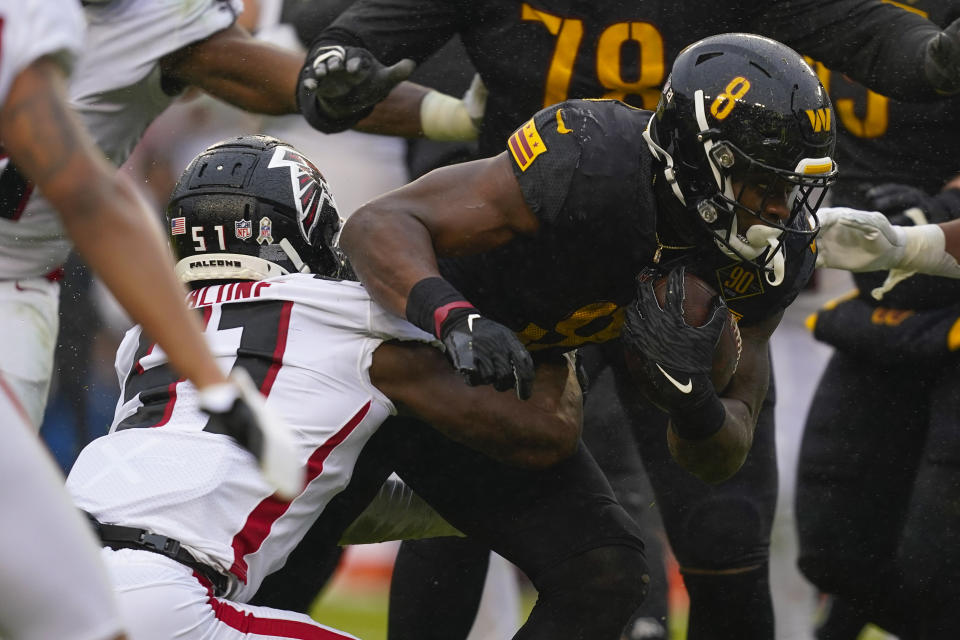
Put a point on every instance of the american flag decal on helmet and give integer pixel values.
(310, 190)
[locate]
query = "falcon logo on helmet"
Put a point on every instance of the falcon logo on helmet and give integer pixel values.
(310, 190)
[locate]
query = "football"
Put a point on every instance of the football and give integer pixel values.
(697, 303)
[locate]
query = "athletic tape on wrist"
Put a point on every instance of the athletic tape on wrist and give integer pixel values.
(445, 118)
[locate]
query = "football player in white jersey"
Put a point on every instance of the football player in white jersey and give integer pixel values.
(190, 528)
(52, 583)
(136, 58)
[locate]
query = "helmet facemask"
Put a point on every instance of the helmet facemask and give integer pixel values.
(801, 191)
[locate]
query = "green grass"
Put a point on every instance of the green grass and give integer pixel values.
(363, 613)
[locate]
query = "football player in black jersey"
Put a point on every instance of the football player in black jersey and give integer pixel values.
(536, 250)
(890, 455)
(535, 53)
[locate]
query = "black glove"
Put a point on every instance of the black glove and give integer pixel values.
(893, 199)
(674, 358)
(482, 350)
(339, 86)
(941, 61)
(486, 352)
(237, 409)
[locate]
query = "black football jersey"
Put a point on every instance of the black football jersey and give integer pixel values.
(883, 140)
(586, 172)
(535, 53)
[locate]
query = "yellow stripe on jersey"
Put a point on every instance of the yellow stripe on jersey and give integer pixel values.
(526, 144)
(953, 338)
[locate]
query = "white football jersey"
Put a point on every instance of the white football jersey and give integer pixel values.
(116, 89)
(308, 344)
(31, 29)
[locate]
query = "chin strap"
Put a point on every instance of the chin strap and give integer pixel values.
(294, 256)
(661, 153)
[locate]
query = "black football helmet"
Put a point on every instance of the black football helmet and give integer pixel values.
(741, 108)
(251, 208)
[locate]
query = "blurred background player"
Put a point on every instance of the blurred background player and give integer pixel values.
(532, 55)
(186, 550)
(880, 447)
(46, 148)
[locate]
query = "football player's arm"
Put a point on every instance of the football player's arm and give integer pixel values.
(393, 241)
(110, 225)
(260, 77)
(535, 433)
(719, 456)
(893, 51)
(857, 240)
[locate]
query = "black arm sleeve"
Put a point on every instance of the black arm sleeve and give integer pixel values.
(395, 29)
(310, 17)
(878, 44)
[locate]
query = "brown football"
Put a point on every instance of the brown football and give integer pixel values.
(697, 303)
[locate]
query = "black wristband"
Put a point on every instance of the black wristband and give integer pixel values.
(431, 302)
(699, 422)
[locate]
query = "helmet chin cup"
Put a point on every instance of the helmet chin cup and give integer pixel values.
(760, 244)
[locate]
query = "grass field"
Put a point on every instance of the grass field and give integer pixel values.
(356, 602)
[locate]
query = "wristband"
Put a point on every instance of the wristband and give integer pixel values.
(445, 118)
(699, 422)
(431, 302)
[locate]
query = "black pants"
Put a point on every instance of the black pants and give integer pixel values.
(562, 527)
(878, 493)
(719, 533)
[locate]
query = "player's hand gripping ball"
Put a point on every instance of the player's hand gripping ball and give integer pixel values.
(680, 337)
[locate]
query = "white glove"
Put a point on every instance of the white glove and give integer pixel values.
(866, 241)
(475, 100)
(237, 409)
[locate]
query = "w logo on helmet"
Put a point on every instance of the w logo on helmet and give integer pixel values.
(819, 119)
(309, 189)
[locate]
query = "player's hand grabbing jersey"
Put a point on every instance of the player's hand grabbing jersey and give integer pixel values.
(308, 344)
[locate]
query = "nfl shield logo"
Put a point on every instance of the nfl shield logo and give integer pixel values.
(243, 229)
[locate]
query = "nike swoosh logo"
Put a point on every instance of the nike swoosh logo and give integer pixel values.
(470, 319)
(684, 388)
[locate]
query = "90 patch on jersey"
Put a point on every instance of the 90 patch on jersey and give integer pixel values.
(526, 144)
